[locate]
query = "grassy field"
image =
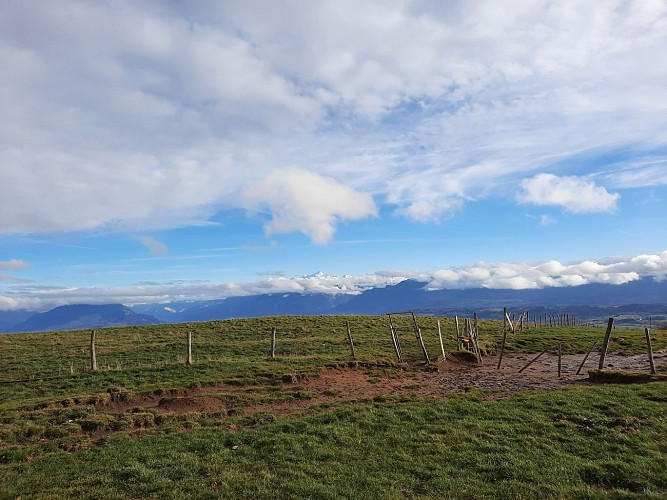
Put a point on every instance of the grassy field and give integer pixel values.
(55, 442)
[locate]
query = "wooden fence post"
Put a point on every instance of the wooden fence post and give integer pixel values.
(189, 349)
(458, 334)
(349, 339)
(422, 345)
(650, 349)
(502, 346)
(474, 338)
(273, 342)
(605, 343)
(394, 339)
(93, 357)
(442, 347)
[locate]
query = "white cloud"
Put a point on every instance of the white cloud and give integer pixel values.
(154, 246)
(145, 116)
(575, 194)
(642, 173)
(306, 202)
(14, 264)
(517, 275)
(551, 273)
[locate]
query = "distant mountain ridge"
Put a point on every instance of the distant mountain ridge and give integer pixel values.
(594, 299)
(76, 317)
(645, 296)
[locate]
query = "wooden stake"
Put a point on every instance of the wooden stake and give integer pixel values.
(605, 343)
(93, 357)
(585, 358)
(478, 353)
(458, 333)
(189, 349)
(442, 347)
(273, 342)
(349, 339)
(650, 349)
(475, 329)
(502, 346)
(509, 321)
(533, 360)
(560, 358)
(423, 347)
(473, 338)
(394, 340)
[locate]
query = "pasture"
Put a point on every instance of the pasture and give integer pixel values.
(314, 422)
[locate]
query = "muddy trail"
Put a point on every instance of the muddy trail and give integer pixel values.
(364, 383)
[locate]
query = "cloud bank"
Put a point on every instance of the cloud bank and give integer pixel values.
(518, 275)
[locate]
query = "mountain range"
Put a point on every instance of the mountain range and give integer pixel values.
(642, 297)
(76, 317)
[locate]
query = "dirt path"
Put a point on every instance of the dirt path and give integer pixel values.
(337, 385)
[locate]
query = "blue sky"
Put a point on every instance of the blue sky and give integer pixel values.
(162, 151)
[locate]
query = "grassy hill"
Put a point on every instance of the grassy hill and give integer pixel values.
(254, 427)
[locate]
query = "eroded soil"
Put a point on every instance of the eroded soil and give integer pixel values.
(366, 383)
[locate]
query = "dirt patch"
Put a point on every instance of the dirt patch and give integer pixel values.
(454, 375)
(190, 404)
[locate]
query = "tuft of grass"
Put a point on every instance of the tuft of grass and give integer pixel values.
(625, 377)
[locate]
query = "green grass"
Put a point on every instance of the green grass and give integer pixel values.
(601, 442)
(593, 442)
(148, 357)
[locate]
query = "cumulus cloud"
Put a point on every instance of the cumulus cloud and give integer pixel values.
(306, 202)
(154, 246)
(517, 275)
(575, 194)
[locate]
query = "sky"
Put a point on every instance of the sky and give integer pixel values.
(164, 150)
